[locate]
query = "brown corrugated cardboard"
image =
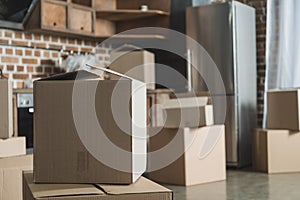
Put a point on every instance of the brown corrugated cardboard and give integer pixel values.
(203, 161)
(137, 64)
(69, 144)
(6, 109)
(283, 109)
(14, 146)
(143, 189)
(11, 176)
(276, 151)
(188, 112)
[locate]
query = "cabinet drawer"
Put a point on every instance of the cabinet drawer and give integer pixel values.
(54, 15)
(81, 20)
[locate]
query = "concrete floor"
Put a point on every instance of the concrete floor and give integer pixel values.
(244, 185)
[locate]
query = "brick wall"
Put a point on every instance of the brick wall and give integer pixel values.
(29, 56)
(261, 16)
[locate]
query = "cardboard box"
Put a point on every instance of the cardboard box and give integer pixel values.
(276, 151)
(136, 64)
(89, 132)
(283, 109)
(143, 189)
(11, 176)
(14, 146)
(6, 109)
(202, 158)
(188, 112)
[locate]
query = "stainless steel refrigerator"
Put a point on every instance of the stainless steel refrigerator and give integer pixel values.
(227, 32)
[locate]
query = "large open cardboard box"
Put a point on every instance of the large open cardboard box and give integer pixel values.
(88, 130)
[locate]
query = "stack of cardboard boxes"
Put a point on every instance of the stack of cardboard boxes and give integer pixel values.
(13, 158)
(90, 140)
(275, 149)
(189, 149)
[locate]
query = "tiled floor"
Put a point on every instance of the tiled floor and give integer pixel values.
(245, 186)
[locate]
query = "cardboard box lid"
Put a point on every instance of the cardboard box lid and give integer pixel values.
(14, 146)
(186, 102)
(14, 161)
(142, 186)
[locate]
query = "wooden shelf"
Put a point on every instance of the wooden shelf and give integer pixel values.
(123, 15)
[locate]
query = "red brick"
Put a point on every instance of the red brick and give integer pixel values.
(18, 35)
(39, 76)
(1, 67)
(9, 51)
(19, 43)
(0, 50)
(20, 85)
(37, 37)
(37, 53)
(9, 59)
(56, 47)
(29, 69)
(19, 52)
(3, 41)
(46, 37)
(88, 50)
(20, 76)
(100, 51)
(71, 48)
(55, 55)
(28, 36)
(29, 61)
(10, 67)
(38, 45)
(54, 39)
(48, 62)
(8, 34)
(38, 69)
(63, 40)
(20, 68)
(71, 41)
(28, 52)
(46, 54)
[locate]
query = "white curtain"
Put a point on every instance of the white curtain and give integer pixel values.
(283, 45)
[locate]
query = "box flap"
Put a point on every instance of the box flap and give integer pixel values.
(186, 102)
(16, 161)
(78, 75)
(57, 190)
(143, 185)
(113, 72)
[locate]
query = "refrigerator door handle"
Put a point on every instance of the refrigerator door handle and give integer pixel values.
(189, 70)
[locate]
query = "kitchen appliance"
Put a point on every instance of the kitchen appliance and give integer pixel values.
(227, 32)
(25, 117)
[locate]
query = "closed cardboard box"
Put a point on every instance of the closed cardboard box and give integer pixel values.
(276, 151)
(283, 109)
(6, 109)
(188, 112)
(192, 156)
(136, 64)
(11, 176)
(143, 189)
(89, 130)
(14, 146)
